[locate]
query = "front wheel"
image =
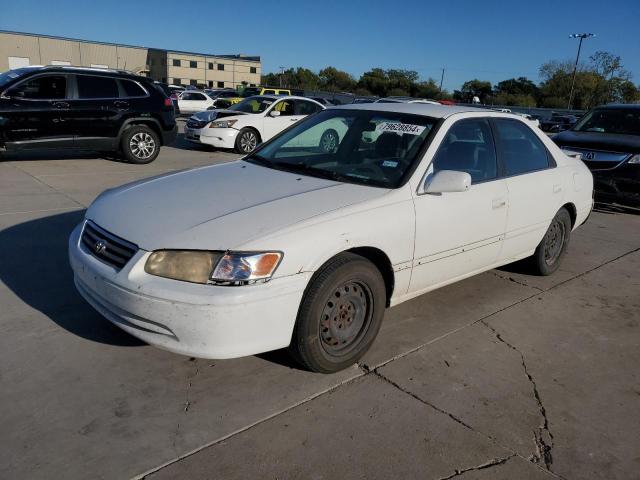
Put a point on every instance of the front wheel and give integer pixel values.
(340, 314)
(553, 246)
(140, 144)
(247, 141)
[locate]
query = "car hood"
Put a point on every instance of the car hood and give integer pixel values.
(599, 141)
(218, 207)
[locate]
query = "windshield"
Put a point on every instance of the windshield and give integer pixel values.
(10, 75)
(253, 105)
(624, 121)
(354, 146)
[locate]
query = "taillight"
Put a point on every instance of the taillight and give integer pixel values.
(168, 102)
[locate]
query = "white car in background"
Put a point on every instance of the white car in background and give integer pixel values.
(192, 101)
(295, 246)
(246, 124)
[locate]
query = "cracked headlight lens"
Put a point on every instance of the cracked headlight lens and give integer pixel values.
(186, 265)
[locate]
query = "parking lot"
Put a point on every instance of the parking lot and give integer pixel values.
(500, 376)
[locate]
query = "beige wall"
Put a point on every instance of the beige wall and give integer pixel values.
(234, 73)
(45, 50)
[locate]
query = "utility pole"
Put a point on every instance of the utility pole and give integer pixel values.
(281, 75)
(581, 36)
(441, 79)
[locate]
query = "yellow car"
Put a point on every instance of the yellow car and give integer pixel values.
(250, 92)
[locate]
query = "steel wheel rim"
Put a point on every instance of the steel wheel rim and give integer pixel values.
(328, 142)
(248, 142)
(142, 145)
(346, 317)
(553, 242)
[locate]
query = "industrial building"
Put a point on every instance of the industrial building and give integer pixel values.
(19, 49)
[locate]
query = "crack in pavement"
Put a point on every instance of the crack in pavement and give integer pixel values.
(542, 437)
(187, 402)
(491, 463)
(516, 281)
(429, 404)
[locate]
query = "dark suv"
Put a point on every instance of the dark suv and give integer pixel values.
(84, 108)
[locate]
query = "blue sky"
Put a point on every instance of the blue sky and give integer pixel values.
(486, 39)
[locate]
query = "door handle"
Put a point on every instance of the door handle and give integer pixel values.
(60, 105)
(120, 105)
(498, 203)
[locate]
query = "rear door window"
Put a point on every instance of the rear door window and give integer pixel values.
(521, 150)
(45, 87)
(132, 89)
(90, 86)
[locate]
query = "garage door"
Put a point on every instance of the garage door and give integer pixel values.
(18, 62)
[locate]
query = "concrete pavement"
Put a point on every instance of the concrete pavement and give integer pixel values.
(503, 375)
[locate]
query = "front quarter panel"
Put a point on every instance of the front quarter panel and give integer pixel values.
(386, 223)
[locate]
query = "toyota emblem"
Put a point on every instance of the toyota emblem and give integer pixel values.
(100, 246)
(589, 155)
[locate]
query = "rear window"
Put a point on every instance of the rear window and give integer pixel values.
(132, 89)
(96, 87)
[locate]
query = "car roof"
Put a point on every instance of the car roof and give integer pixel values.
(426, 109)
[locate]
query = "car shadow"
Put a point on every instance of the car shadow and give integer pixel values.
(34, 265)
(59, 154)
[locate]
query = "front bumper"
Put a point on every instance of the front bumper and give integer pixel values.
(219, 137)
(619, 185)
(197, 320)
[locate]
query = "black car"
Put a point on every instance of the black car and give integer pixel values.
(84, 108)
(558, 123)
(608, 139)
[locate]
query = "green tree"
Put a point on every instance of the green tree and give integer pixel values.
(474, 88)
(335, 80)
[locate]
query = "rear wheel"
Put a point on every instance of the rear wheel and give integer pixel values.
(329, 141)
(140, 144)
(340, 314)
(553, 246)
(247, 140)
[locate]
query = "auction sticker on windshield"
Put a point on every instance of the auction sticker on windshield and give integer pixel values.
(401, 128)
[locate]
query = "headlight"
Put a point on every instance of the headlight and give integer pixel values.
(188, 265)
(222, 124)
(635, 159)
(246, 267)
(213, 267)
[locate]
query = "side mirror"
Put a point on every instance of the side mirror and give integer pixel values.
(274, 113)
(448, 181)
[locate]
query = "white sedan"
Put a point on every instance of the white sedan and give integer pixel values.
(192, 101)
(246, 124)
(305, 247)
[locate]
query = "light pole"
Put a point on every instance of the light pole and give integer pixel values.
(581, 36)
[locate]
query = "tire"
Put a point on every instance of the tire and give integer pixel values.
(340, 314)
(140, 144)
(553, 246)
(329, 141)
(247, 141)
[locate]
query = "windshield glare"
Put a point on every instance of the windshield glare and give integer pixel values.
(622, 121)
(253, 105)
(355, 146)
